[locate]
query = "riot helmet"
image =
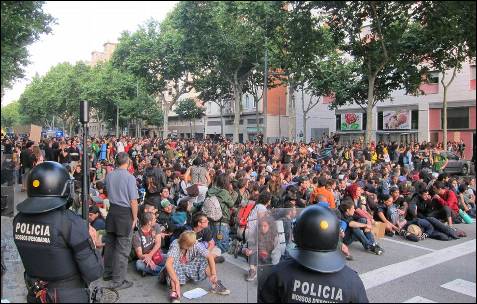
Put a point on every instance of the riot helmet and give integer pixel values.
(49, 186)
(316, 234)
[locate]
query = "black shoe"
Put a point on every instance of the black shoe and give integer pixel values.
(390, 233)
(143, 274)
(375, 249)
(123, 285)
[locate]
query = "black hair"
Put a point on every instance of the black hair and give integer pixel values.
(439, 184)
(183, 206)
(197, 218)
(346, 204)
(264, 198)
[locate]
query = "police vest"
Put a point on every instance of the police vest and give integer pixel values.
(41, 242)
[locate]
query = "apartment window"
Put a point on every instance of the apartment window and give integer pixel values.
(213, 123)
(231, 122)
(433, 77)
(457, 118)
(254, 121)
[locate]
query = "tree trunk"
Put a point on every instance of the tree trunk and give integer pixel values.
(190, 124)
(305, 120)
(256, 116)
(222, 121)
(444, 118)
(292, 112)
(165, 127)
(237, 100)
(370, 134)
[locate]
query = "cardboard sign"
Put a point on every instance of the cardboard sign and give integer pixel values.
(35, 133)
(378, 229)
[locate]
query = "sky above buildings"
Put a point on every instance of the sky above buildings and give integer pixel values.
(83, 27)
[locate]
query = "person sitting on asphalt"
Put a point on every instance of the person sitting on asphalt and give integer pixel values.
(357, 228)
(388, 213)
(164, 219)
(188, 260)
(96, 219)
(200, 224)
(146, 243)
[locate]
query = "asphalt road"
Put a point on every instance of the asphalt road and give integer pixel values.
(428, 271)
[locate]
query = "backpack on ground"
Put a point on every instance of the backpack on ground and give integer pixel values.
(211, 208)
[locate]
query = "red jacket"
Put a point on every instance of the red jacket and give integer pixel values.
(449, 199)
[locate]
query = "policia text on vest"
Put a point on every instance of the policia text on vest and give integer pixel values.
(32, 232)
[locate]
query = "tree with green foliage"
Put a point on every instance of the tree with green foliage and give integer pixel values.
(11, 115)
(294, 47)
(448, 40)
(228, 36)
(214, 88)
(382, 37)
(156, 55)
(22, 24)
(327, 76)
(110, 90)
(187, 109)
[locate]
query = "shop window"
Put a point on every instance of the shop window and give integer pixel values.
(338, 122)
(457, 118)
(415, 119)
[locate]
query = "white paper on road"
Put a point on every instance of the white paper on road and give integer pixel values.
(195, 293)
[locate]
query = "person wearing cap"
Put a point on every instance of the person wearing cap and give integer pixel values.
(56, 247)
(316, 271)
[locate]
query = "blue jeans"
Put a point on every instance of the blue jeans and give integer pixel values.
(224, 230)
(141, 266)
(357, 234)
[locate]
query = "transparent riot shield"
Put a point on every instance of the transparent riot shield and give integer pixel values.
(273, 236)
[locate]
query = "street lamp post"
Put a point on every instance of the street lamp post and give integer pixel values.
(84, 118)
(265, 94)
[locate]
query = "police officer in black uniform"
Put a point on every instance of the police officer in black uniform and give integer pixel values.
(316, 271)
(54, 243)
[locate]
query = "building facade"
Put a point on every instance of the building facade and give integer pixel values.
(276, 117)
(405, 118)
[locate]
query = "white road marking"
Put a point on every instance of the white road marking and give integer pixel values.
(391, 272)
(461, 286)
(419, 300)
(408, 244)
(236, 262)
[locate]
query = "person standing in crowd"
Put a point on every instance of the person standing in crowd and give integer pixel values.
(120, 223)
(57, 251)
(27, 163)
(315, 261)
